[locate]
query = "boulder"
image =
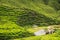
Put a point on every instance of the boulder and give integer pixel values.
(40, 32)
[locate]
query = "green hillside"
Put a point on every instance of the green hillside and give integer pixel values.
(14, 8)
(18, 14)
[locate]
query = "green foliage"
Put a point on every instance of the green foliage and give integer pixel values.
(30, 17)
(54, 36)
(17, 13)
(55, 4)
(10, 30)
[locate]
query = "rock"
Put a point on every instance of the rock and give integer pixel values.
(50, 29)
(35, 26)
(40, 32)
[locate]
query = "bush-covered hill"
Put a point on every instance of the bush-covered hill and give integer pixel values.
(48, 9)
(14, 14)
